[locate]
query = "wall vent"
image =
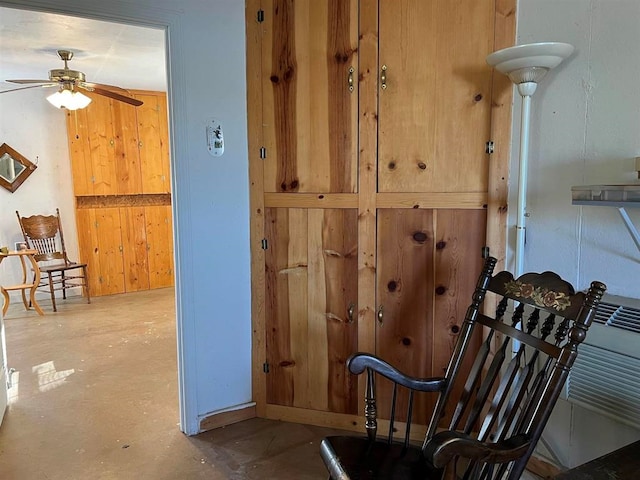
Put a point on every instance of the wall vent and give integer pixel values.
(605, 376)
(619, 316)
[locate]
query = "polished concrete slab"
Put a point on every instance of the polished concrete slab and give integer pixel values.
(94, 396)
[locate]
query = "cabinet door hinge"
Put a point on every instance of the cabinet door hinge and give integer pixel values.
(263, 152)
(489, 147)
(265, 367)
(265, 244)
(260, 16)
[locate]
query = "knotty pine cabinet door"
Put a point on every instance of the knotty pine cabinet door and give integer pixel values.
(310, 94)
(311, 308)
(434, 95)
(153, 141)
(126, 249)
(159, 233)
(100, 245)
(103, 143)
(426, 271)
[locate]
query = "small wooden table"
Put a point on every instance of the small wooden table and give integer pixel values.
(621, 464)
(25, 285)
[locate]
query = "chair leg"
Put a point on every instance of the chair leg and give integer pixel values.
(86, 284)
(53, 295)
(64, 286)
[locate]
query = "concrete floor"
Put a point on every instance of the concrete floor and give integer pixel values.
(94, 396)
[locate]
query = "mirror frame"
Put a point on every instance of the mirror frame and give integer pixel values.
(19, 180)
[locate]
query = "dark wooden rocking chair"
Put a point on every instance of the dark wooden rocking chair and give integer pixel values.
(44, 234)
(487, 425)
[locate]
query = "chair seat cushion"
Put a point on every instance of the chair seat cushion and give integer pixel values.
(357, 458)
(56, 267)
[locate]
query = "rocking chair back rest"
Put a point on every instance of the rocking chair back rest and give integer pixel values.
(44, 234)
(512, 387)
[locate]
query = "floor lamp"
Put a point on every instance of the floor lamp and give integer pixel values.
(526, 65)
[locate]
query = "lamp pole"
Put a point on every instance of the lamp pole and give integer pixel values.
(526, 90)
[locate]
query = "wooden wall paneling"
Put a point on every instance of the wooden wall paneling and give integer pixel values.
(501, 100)
(102, 146)
(153, 141)
(286, 306)
(255, 53)
(405, 291)
(126, 154)
(367, 184)
(134, 249)
(310, 114)
(320, 314)
(80, 152)
(159, 231)
(88, 247)
(109, 246)
(435, 111)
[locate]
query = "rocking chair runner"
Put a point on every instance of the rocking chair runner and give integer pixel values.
(492, 429)
(44, 234)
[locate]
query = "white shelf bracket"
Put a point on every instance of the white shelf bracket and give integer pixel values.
(633, 231)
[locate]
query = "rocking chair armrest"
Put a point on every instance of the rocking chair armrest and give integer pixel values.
(444, 446)
(358, 362)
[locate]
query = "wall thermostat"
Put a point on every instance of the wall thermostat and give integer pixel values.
(215, 138)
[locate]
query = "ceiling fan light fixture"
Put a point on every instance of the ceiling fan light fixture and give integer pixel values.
(69, 99)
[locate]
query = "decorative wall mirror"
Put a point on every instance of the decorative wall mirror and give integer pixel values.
(14, 168)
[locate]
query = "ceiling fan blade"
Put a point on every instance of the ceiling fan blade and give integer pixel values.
(45, 85)
(116, 96)
(28, 81)
(103, 85)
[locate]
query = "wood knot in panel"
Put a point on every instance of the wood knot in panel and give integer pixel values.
(478, 97)
(392, 286)
(341, 57)
(406, 341)
(392, 165)
(287, 363)
(422, 165)
(440, 290)
(420, 237)
(441, 244)
(292, 187)
(455, 329)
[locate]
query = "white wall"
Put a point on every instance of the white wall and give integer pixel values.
(585, 130)
(206, 46)
(32, 127)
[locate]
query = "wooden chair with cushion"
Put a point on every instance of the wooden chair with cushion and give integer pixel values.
(495, 397)
(44, 234)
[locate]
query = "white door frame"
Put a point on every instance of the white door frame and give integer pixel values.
(171, 22)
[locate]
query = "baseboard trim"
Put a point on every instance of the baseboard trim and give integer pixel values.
(227, 417)
(543, 468)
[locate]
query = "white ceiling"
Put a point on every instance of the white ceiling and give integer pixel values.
(110, 53)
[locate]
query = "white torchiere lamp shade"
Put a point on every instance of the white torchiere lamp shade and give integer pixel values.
(69, 99)
(526, 65)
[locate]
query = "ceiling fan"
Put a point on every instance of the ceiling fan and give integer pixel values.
(68, 81)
